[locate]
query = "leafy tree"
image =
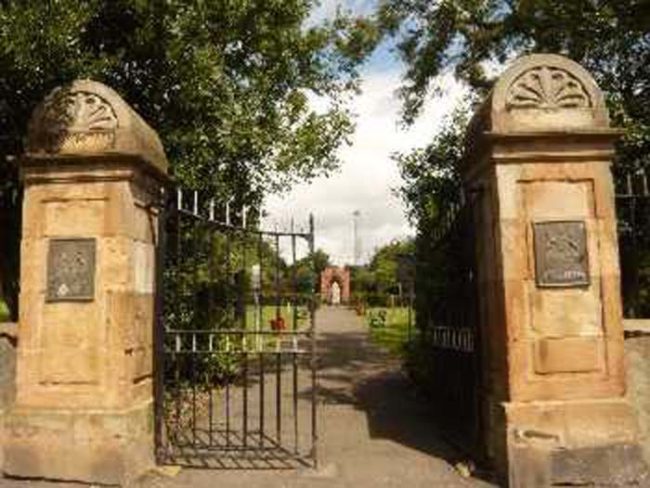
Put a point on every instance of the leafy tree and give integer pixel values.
(380, 277)
(226, 83)
(385, 262)
(320, 259)
(431, 175)
(469, 37)
(309, 269)
(472, 38)
(362, 280)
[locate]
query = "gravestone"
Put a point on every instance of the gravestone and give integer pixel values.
(84, 402)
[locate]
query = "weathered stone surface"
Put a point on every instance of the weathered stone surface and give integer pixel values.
(539, 466)
(63, 339)
(591, 443)
(83, 408)
(592, 466)
(546, 92)
(88, 118)
(637, 351)
(8, 343)
(540, 149)
(96, 447)
(568, 355)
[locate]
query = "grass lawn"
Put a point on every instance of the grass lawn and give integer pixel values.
(393, 332)
(4, 312)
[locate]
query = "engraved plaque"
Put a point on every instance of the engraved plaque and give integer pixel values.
(71, 270)
(561, 257)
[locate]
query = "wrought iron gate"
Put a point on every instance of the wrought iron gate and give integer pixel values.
(633, 216)
(235, 345)
(448, 319)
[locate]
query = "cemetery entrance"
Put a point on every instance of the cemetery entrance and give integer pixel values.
(236, 378)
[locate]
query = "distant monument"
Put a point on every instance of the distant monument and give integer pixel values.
(335, 294)
(335, 285)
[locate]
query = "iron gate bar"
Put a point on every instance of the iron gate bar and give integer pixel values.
(314, 355)
(195, 253)
(229, 284)
(633, 216)
(211, 310)
(206, 353)
(260, 245)
(223, 226)
(448, 321)
(242, 299)
(158, 336)
(294, 326)
(278, 361)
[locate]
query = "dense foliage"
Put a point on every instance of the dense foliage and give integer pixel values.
(226, 83)
(609, 38)
(473, 39)
(307, 271)
(374, 283)
(431, 175)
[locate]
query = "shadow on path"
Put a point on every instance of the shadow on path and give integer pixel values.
(354, 371)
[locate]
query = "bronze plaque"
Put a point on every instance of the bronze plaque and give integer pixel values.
(71, 270)
(561, 257)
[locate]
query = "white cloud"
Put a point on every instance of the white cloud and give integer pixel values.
(368, 174)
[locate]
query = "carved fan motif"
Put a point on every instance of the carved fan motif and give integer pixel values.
(79, 121)
(547, 88)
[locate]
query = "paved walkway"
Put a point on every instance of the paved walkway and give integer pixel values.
(373, 432)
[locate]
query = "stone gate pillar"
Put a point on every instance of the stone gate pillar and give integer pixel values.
(92, 175)
(539, 153)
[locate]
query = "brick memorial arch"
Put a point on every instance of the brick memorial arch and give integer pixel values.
(331, 275)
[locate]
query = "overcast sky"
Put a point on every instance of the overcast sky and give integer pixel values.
(368, 175)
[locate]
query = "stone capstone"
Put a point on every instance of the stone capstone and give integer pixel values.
(88, 118)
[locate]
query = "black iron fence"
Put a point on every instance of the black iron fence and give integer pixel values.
(446, 353)
(633, 214)
(236, 350)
